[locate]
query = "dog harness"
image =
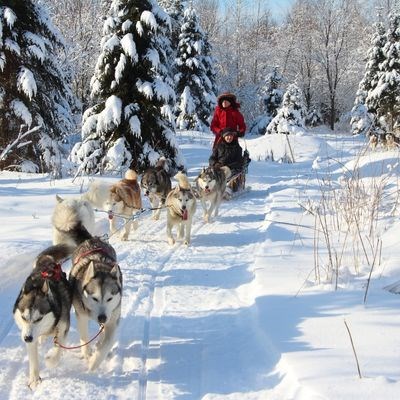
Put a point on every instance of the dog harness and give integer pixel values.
(55, 273)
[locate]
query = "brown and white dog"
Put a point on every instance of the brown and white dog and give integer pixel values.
(122, 198)
(181, 206)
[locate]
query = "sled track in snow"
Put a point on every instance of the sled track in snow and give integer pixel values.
(163, 259)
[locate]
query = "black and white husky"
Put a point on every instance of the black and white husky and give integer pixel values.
(211, 185)
(72, 220)
(181, 206)
(43, 308)
(156, 184)
(96, 283)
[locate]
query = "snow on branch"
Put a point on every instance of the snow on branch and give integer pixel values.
(17, 142)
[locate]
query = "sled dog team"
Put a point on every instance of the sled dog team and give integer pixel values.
(94, 285)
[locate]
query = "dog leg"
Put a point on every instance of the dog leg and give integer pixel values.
(181, 231)
(34, 378)
(104, 345)
(154, 201)
(113, 225)
(127, 230)
(188, 230)
(171, 239)
(53, 355)
(82, 325)
(217, 204)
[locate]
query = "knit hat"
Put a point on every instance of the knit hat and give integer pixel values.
(228, 131)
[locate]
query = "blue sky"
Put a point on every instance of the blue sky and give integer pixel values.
(277, 7)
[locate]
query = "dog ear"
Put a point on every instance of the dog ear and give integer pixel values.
(47, 290)
(116, 272)
(59, 198)
(89, 274)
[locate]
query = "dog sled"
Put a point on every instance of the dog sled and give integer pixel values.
(236, 183)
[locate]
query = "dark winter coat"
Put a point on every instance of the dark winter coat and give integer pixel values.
(228, 154)
(229, 117)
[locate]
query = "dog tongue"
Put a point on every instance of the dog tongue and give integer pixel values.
(185, 215)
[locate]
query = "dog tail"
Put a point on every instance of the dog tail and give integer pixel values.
(183, 180)
(68, 220)
(56, 253)
(161, 163)
(131, 175)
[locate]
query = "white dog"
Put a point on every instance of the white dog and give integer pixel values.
(72, 220)
(181, 206)
(121, 198)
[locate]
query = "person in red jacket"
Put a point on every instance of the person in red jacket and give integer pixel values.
(227, 115)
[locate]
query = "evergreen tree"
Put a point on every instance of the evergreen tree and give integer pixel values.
(193, 86)
(290, 117)
(383, 97)
(33, 90)
(210, 79)
(271, 98)
(131, 124)
(363, 114)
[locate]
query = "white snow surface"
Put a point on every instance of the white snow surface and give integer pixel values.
(237, 314)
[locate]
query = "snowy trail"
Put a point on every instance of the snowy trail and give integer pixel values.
(153, 294)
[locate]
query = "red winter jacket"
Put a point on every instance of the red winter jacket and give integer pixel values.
(229, 117)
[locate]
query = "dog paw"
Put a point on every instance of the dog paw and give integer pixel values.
(156, 217)
(124, 238)
(171, 241)
(33, 383)
(186, 242)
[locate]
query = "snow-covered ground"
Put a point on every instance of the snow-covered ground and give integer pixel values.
(250, 310)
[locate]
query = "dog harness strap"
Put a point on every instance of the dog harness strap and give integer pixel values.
(54, 273)
(95, 250)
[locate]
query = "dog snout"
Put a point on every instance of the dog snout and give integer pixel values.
(183, 206)
(102, 318)
(28, 338)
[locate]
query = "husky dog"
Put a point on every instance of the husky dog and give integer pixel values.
(156, 184)
(43, 307)
(391, 141)
(73, 221)
(121, 198)
(181, 204)
(211, 184)
(96, 283)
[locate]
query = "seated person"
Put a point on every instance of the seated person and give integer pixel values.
(229, 153)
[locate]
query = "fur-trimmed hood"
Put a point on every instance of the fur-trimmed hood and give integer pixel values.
(230, 97)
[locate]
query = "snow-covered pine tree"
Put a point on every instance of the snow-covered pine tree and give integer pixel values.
(175, 10)
(290, 117)
(363, 114)
(192, 83)
(384, 96)
(271, 99)
(131, 124)
(33, 90)
(210, 79)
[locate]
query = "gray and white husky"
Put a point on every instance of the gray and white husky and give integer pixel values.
(156, 184)
(43, 308)
(181, 206)
(72, 220)
(211, 185)
(96, 282)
